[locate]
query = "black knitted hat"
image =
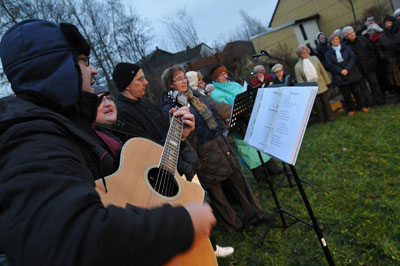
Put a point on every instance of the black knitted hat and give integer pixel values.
(123, 74)
(75, 39)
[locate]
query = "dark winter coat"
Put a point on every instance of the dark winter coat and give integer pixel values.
(389, 51)
(213, 149)
(349, 63)
(50, 156)
(389, 42)
(143, 119)
(322, 48)
(365, 52)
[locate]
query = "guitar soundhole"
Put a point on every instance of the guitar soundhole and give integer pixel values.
(163, 182)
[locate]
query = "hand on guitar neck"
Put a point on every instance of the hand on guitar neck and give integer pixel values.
(187, 119)
(202, 218)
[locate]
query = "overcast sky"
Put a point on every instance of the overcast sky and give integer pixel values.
(213, 19)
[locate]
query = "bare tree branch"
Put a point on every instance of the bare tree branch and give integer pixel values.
(181, 28)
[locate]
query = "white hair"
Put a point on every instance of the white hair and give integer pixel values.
(346, 29)
(374, 27)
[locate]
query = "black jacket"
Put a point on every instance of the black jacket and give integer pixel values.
(143, 119)
(365, 52)
(389, 42)
(217, 158)
(335, 67)
(50, 213)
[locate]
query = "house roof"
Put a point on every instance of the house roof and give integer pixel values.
(273, 15)
(179, 57)
(297, 21)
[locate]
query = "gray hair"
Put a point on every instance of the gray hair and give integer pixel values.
(346, 29)
(333, 35)
(375, 27)
(300, 48)
(258, 68)
(396, 12)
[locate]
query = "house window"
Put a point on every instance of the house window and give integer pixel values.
(303, 32)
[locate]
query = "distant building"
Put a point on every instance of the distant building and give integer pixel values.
(297, 22)
(158, 60)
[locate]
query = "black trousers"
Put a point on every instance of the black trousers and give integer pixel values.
(349, 90)
(323, 107)
(377, 96)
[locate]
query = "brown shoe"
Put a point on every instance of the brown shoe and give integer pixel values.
(364, 109)
(351, 113)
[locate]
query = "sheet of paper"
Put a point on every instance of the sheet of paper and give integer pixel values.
(262, 117)
(290, 123)
(245, 86)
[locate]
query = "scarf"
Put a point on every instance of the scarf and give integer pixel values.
(226, 91)
(339, 57)
(201, 108)
(309, 70)
(375, 39)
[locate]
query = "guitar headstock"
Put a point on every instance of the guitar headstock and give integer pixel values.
(177, 99)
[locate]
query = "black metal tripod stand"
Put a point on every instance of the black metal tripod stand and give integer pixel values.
(282, 211)
(240, 116)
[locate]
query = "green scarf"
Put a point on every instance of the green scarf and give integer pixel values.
(201, 108)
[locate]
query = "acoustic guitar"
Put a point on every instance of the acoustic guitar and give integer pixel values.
(147, 178)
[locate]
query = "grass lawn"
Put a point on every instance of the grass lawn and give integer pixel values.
(354, 165)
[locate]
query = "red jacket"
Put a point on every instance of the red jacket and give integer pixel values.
(256, 82)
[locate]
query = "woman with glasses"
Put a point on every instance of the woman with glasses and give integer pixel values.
(220, 171)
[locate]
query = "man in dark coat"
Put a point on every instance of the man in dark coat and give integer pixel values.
(50, 212)
(366, 62)
(141, 118)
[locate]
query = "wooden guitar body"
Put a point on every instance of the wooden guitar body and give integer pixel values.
(131, 184)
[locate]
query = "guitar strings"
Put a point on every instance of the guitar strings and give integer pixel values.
(165, 179)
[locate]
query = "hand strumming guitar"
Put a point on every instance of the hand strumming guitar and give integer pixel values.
(202, 218)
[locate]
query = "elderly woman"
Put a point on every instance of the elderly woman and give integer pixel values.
(396, 14)
(220, 170)
(197, 83)
(374, 33)
(224, 89)
(279, 75)
(340, 61)
(310, 69)
(260, 78)
(248, 154)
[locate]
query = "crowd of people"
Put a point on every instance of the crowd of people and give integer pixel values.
(62, 132)
(363, 64)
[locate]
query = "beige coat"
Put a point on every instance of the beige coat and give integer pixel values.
(323, 77)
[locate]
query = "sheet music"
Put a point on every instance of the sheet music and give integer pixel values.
(279, 119)
(264, 112)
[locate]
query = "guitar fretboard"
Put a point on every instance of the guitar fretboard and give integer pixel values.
(169, 158)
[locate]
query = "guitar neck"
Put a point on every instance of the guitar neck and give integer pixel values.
(170, 154)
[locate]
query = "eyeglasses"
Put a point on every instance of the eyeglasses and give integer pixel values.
(106, 97)
(180, 79)
(84, 59)
(141, 79)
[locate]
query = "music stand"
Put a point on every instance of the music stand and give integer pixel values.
(240, 116)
